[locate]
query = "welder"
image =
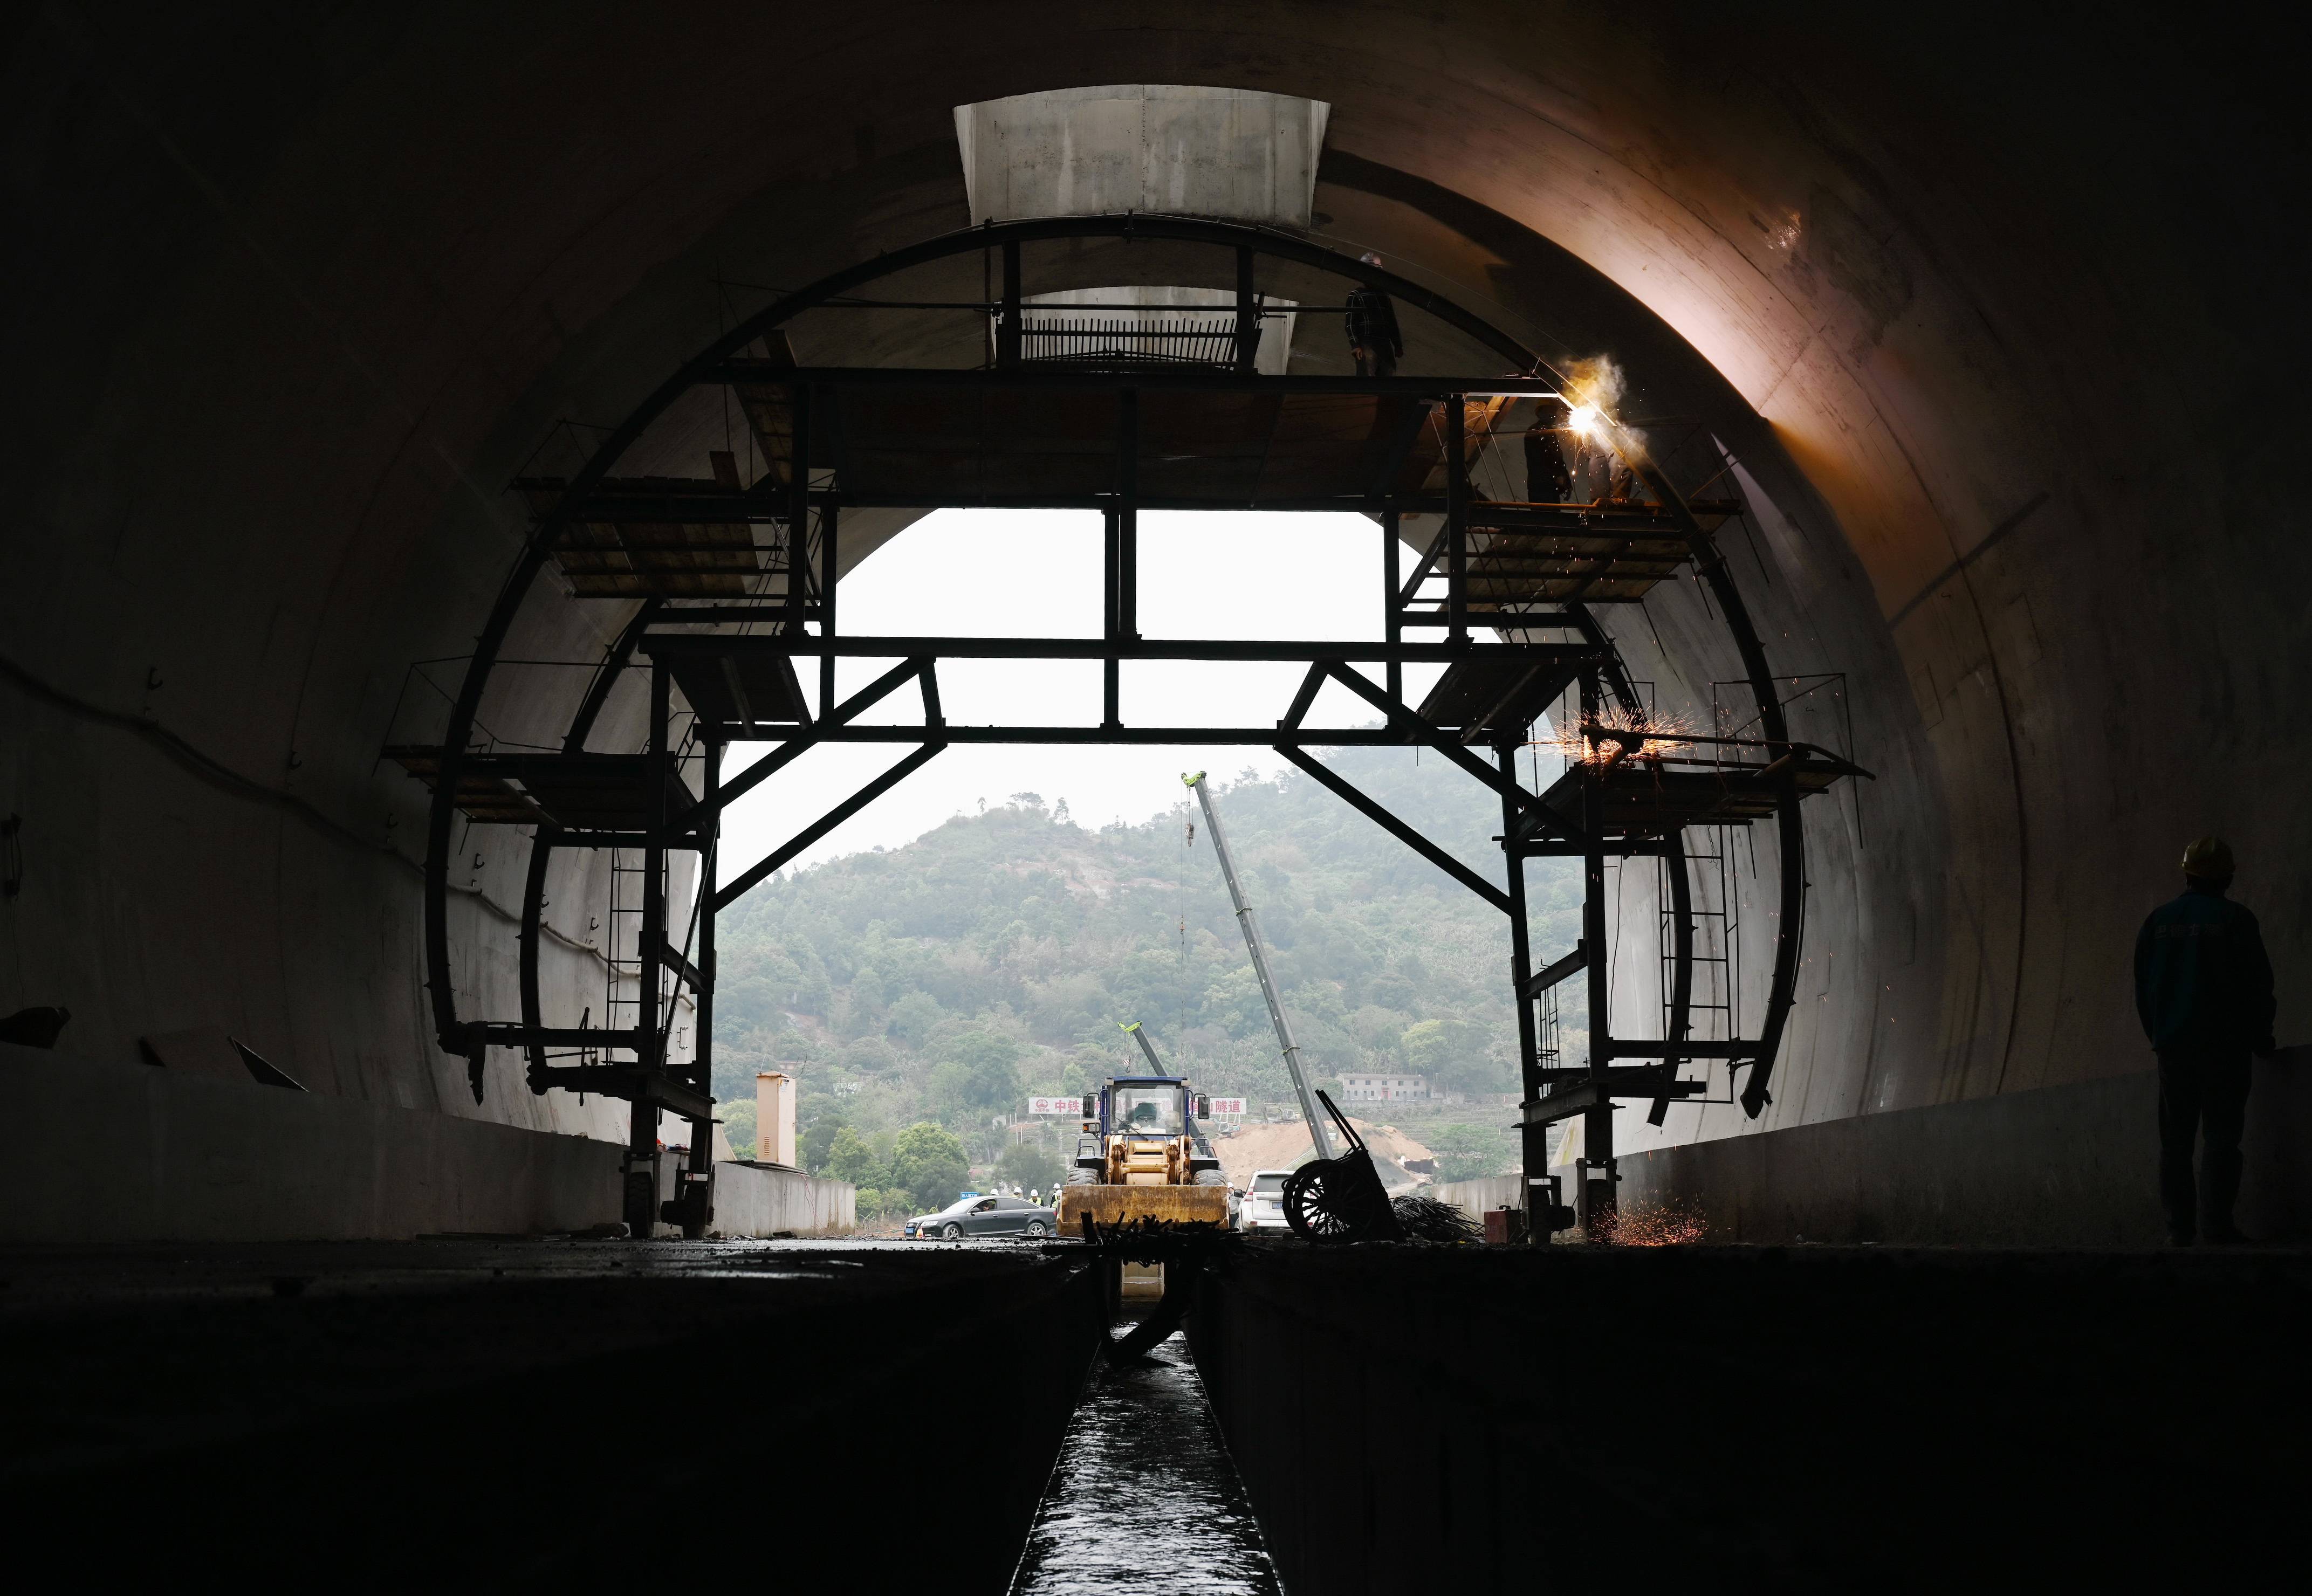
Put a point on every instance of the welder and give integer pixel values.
(2203, 992)
(1374, 342)
(1547, 478)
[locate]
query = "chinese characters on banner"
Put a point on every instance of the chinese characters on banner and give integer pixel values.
(1223, 1108)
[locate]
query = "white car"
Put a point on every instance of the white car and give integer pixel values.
(1264, 1202)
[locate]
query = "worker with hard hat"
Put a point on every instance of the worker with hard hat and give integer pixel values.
(2203, 992)
(1374, 343)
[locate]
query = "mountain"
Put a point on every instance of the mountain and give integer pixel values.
(998, 955)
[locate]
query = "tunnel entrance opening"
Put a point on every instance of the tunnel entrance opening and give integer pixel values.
(732, 579)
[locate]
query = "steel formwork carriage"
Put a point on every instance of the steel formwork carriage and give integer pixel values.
(733, 579)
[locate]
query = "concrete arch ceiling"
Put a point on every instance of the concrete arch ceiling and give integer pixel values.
(297, 304)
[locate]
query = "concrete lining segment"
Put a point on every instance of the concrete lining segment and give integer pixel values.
(132, 1153)
(2059, 1166)
(305, 296)
(1243, 155)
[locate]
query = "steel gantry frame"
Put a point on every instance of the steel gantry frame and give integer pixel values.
(687, 551)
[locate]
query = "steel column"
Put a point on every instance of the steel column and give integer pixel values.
(1111, 619)
(1456, 522)
(799, 507)
(1392, 603)
(1007, 331)
(1248, 316)
(1533, 1140)
(828, 519)
(1596, 1193)
(641, 1160)
(702, 1131)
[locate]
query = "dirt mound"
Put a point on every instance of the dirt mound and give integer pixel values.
(1287, 1147)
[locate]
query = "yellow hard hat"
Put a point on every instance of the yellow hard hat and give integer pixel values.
(2210, 857)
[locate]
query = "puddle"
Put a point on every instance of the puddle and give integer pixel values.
(1144, 1497)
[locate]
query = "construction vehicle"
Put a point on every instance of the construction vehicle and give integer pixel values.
(1140, 1156)
(1330, 1198)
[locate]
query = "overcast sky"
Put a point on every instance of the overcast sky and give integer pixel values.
(990, 573)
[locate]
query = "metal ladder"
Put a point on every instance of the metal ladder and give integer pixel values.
(622, 978)
(1714, 1012)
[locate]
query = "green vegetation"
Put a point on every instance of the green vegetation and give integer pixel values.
(924, 993)
(1465, 1152)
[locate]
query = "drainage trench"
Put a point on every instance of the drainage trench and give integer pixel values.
(1144, 1496)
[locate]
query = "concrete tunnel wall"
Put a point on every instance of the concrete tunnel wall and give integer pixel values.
(292, 298)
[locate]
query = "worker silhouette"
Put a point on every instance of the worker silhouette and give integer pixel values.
(2203, 992)
(1548, 480)
(1374, 342)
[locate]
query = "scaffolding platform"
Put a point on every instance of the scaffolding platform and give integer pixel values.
(1480, 698)
(483, 796)
(908, 438)
(731, 576)
(657, 538)
(575, 792)
(740, 691)
(1522, 555)
(1647, 797)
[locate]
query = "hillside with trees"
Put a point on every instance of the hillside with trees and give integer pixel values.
(921, 993)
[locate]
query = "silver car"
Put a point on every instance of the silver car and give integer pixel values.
(983, 1215)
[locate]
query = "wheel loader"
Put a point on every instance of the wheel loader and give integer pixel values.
(1140, 1156)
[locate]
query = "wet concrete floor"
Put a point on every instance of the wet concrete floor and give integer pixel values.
(555, 1415)
(1144, 1496)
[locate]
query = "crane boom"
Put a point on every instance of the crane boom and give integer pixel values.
(1319, 1131)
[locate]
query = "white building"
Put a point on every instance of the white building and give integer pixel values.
(1383, 1088)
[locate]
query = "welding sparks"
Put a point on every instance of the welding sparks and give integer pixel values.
(1593, 742)
(1587, 420)
(1666, 1226)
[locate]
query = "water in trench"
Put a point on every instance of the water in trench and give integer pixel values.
(1144, 1496)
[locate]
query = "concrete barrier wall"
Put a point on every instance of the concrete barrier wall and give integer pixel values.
(751, 1199)
(107, 1152)
(1476, 1197)
(2070, 1165)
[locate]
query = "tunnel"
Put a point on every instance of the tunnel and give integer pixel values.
(1990, 326)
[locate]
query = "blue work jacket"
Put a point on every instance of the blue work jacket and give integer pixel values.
(2203, 979)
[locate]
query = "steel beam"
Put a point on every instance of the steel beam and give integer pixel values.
(659, 644)
(1595, 1096)
(713, 364)
(1068, 378)
(1396, 828)
(1403, 720)
(647, 1093)
(763, 867)
(1185, 736)
(1572, 963)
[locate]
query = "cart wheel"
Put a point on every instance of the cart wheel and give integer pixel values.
(1311, 1209)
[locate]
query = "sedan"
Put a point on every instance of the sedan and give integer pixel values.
(983, 1215)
